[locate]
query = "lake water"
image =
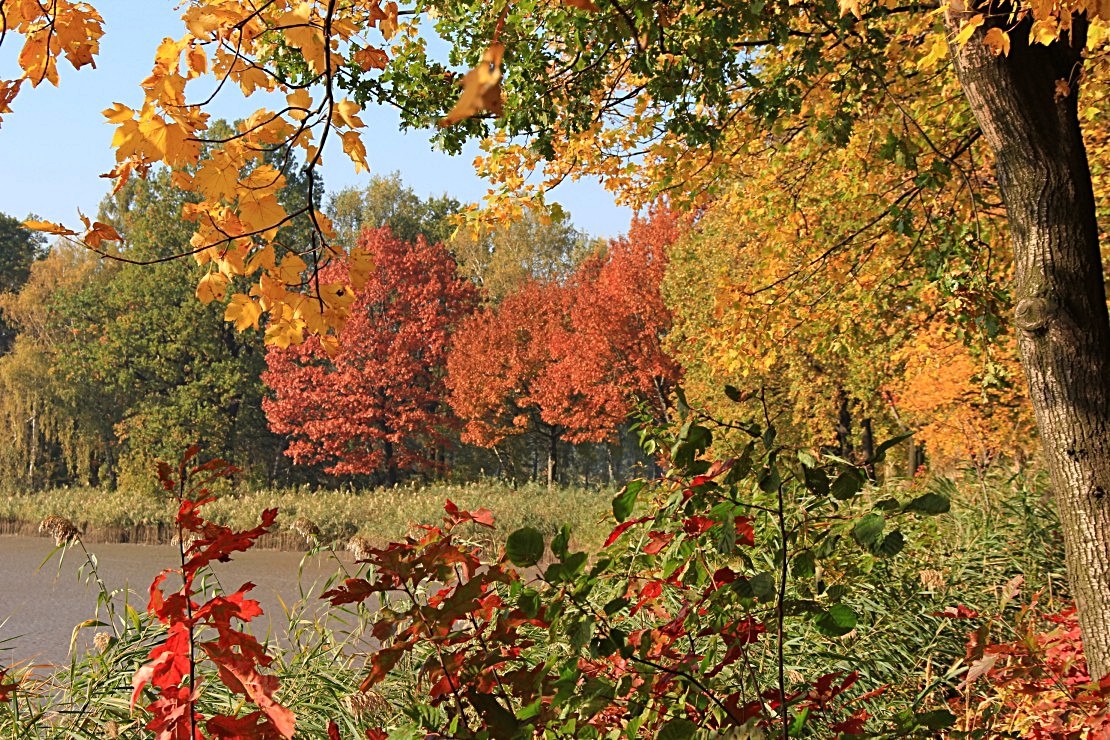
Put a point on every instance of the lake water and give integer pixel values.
(39, 606)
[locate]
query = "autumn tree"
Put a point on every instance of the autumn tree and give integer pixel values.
(569, 361)
(165, 370)
(497, 366)
(387, 201)
(376, 404)
(51, 437)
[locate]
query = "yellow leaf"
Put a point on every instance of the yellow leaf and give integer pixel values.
(291, 270)
(481, 88)
(283, 332)
(263, 258)
(969, 27)
(118, 113)
(300, 103)
(388, 24)
(300, 33)
(346, 112)
(361, 264)
(212, 287)
(1044, 31)
(998, 41)
(850, 6)
(259, 212)
(938, 50)
(49, 227)
(243, 312)
(198, 61)
(217, 177)
(353, 146)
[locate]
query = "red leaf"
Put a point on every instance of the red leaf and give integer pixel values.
(956, 612)
(622, 528)
(696, 525)
(653, 590)
(658, 540)
(745, 532)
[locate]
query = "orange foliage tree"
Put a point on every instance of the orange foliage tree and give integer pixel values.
(376, 404)
(570, 361)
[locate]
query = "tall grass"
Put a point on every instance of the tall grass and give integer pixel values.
(997, 531)
(380, 515)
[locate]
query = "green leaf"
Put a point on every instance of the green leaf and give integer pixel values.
(804, 565)
(733, 393)
(524, 547)
(846, 485)
(529, 602)
(561, 544)
(763, 585)
(938, 719)
(880, 451)
(625, 501)
(891, 545)
(615, 606)
(838, 620)
(929, 504)
(816, 480)
(677, 729)
(869, 530)
(770, 480)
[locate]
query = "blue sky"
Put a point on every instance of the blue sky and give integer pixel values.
(55, 143)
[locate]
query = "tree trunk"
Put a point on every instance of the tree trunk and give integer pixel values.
(1026, 106)
(844, 427)
(553, 457)
(867, 442)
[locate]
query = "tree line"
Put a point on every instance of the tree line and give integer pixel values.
(110, 365)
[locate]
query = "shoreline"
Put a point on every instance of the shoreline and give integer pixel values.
(146, 534)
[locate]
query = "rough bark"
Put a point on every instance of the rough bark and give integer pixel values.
(1026, 105)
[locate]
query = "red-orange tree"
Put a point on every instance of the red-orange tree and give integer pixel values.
(376, 403)
(570, 361)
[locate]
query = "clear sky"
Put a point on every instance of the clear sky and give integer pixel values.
(55, 143)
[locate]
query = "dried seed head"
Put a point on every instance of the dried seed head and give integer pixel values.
(61, 529)
(102, 641)
(366, 704)
(932, 580)
(359, 547)
(190, 538)
(306, 528)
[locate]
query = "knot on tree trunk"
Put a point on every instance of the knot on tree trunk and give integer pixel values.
(1033, 314)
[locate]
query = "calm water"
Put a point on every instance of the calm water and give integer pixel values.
(39, 606)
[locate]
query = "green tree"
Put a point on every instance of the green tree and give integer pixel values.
(19, 248)
(387, 201)
(531, 247)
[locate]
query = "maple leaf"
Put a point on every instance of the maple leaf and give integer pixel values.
(212, 287)
(243, 312)
(259, 210)
(356, 150)
(481, 88)
(587, 5)
(370, 57)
